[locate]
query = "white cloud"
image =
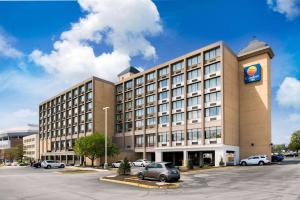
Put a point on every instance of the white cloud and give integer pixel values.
(288, 94)
(25, 113)
(294, 117)
(123, 25)
(289, 8)
(6, 49)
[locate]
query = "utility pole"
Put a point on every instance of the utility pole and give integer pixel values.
(105, 164)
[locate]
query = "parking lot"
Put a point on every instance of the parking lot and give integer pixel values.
(253, 182)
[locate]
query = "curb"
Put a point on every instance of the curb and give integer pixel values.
(203, 170)
(174, 186)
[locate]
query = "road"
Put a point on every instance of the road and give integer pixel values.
(255, 182)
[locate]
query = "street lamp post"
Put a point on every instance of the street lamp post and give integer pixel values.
(105, 164)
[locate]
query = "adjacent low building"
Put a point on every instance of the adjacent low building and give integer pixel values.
(10, 138)
(205, 106)
(31, 145)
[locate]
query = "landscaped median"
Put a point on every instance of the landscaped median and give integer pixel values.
(134, 181)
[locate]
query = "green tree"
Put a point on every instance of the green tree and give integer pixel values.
(279, 148)
(18, 152)
(93, 147)
(295, 141)
(8, 154)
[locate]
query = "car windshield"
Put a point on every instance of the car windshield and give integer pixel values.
(170, 166)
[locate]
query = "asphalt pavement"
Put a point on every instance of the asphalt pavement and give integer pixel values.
(251, 182)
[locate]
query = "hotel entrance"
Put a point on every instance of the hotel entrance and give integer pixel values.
(200, 158)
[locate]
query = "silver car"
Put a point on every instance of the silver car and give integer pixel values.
(162, 171)
(47, 164)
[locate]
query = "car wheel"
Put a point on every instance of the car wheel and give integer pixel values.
(244, 163)
(142, 165)
(141, 176)
(48, 167)
(62, 166)
(261, 163)
(112, 165)
(162, 178)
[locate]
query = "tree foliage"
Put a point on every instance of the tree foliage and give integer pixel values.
(93, 147)
(19, 152)
(295, 141)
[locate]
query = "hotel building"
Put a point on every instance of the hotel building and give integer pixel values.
(31, 147)
(205, 106)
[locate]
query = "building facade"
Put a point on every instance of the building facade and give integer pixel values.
(73, 113)
(206, 106)
(10, 138)
(31, 147)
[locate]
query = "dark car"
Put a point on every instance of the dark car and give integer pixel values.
(162, 171)
(277, 158)
(37, 165)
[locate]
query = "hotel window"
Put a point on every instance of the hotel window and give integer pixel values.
(177, 66)
(177, 92)
(177, 104)
(150, 121)
(213, 132)
(213, 111)
(128, 105)
(89, 86)
(69, 121)
(89, 117)
(150, 99)
(128, 126)
(119, 88)
(194, 60)
(119, 128)
(75, 93)
(119, 117)
(177, 117)
(119, 98)
(163, 71)
(75, 111)
(89, 96)
(163, 95)
(151, 76)
(209, 69)
(139, 112)
(128, 116)
(75, 120)
(81, 89)
(194, 114)
(75, 129)
(150, 87)
(194, 101)
(69, 113)
(211, 97)
(89, 106)
(81, 109)
(177, 79)
(193, 74)
(69, 94)
(163, 137)
(163, 119)
(150, 110)
(139, 102)
(81, 99)
(163, 83)
(81, 128)
(193, 87)
(74, 102)
(139, 81)
(89, 127)
(177, 136)
(138, 140)
(139, 91)
(164, 107)
(81, 118)
(194, 134)
(119, 107)
(150, 139)
(212, 54)
(63, 131)
(214, 82)
(128, 95)
(139, 124)
(128, 85)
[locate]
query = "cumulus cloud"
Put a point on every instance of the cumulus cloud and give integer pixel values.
(122, 25)
(6, 49)
(289, 8)
(288, 94)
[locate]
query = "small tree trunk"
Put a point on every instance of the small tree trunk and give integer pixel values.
(93, 161)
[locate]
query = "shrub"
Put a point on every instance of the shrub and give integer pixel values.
(124, 168)
(190, 164)
(221, 163)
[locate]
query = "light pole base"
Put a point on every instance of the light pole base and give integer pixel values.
(105, 166)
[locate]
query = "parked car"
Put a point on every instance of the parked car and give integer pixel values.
(37, 165)
(7, 163)
(291, 154)
(141, 163)
(117, 164)
(47, 164)
(277, 158)
(255, 160)
(162, 171)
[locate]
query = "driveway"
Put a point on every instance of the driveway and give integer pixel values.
(266, 182)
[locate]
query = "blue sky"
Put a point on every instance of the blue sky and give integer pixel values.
(44, 48)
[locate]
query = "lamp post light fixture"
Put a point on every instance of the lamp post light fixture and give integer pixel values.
(105, 164)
